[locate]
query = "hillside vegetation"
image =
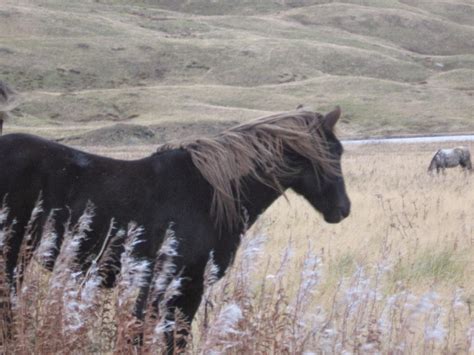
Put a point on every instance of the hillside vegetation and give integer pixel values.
(395, 67)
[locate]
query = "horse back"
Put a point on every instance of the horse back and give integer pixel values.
(64, 176)
(65, 180)
(138, 190)
(30, 164)
(152, 191)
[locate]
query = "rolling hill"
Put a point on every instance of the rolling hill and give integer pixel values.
(395, 67)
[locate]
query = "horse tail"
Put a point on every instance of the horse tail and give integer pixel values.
(434, 162)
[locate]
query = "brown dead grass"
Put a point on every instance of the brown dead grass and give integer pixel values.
(394, 201)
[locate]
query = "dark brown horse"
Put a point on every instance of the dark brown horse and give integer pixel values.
(208, 188)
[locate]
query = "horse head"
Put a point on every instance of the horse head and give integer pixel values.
(321, 181)
(465, 158)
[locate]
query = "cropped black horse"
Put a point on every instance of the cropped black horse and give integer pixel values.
(208, 188)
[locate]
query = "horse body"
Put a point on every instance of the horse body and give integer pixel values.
(187, 185)
(66, 179)
(151, 191)
(450, 158)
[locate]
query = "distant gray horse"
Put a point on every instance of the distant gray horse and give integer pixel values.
(450, 158)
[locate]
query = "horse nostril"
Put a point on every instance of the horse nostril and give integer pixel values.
(345, 210)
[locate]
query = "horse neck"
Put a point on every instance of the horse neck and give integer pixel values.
(257, 197)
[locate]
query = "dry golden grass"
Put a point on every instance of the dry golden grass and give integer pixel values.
(422, 218)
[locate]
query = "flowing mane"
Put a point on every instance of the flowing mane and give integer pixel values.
(256, 149)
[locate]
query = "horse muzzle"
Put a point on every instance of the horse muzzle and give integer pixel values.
(337, 214)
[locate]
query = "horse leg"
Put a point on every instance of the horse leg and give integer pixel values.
(141, 304)
(180, 309)
(59, 217)
(10, 256)
(186, 305)
(6, 316)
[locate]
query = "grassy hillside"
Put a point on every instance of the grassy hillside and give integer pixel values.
(395, 67)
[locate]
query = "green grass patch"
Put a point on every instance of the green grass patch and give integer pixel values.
(432, 266)
(343, 266)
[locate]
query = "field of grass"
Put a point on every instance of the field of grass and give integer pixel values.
(397, 276)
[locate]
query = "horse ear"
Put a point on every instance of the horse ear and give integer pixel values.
(331, 118)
